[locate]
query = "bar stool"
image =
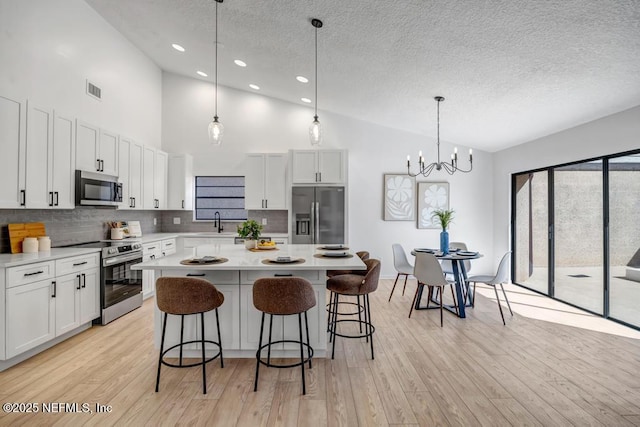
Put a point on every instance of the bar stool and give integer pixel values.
(283, 296)
(331, 273)
(359, 285)
(183, 296)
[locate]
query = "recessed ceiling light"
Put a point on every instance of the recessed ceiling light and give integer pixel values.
(240, 63)
(201, 73)
(177, 47)
(254, 87)
(307, 100)
(302, 79)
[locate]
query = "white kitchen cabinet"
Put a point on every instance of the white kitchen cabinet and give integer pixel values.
(130, 173)
(96, 149)
(168, 247)
(89, 295)
(30, 311)
(154, 181)
(154, 250)
(50, 159)
(317, 323)
(318, 166)
(266, 181)
(180, 182)
(250, 323)
(67, 302)
(80, 273)
(13, 158)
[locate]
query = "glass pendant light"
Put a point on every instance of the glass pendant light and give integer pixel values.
(315, 130)
(216, 129)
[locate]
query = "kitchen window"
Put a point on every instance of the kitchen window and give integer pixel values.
(224, 194)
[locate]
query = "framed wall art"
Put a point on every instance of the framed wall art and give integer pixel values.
(431, 196)
(399, 197)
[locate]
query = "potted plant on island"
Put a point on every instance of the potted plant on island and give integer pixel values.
(250, 231)
(445, 218)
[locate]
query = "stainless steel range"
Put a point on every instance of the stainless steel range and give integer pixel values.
(121, 287)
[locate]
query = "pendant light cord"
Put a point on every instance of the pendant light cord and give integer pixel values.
(316, 78)
(438, 130)
(216, 64)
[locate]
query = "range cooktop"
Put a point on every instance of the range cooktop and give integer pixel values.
(110, 248)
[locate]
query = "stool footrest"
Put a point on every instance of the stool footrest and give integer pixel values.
(164, 362)
(271, 365)
(361, 322)
(360, 308)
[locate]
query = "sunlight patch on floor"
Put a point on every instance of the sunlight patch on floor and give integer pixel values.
(529, 304)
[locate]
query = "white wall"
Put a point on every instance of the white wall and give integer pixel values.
(254, 123)
(612, 134)
(49, 48)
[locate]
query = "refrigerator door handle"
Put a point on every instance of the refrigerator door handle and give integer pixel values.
(317, 225)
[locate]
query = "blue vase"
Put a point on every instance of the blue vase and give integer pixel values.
(444, 242)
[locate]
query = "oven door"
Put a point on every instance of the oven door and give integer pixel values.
(119, 281)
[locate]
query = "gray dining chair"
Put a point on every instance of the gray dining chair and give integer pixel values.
(447, 267)
(428, 272)
(501, 276)
(402, 265)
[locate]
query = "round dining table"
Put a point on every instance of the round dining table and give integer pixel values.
(457, 259)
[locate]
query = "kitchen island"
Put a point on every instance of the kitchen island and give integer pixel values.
(239, 320)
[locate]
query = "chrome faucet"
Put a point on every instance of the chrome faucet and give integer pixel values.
(217, 222)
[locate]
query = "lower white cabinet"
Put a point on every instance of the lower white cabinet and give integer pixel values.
(39, 310)
(154, 250)
(31, 316)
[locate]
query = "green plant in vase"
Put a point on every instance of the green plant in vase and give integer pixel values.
(250, 230)
(445, 218)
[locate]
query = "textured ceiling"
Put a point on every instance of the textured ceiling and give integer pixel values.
(510, 70)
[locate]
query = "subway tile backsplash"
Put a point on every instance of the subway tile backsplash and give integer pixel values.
(84, 224)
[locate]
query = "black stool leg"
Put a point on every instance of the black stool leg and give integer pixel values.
(335, 325)
(370, 324)
(181, 335)
(270, 329)
(219, 339)
(204, 365)
(306, 326)
(164, 328)
(304, 387)
(255, 384)
(360, 319)
(331, 311)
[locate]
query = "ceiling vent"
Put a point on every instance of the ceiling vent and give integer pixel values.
(93, 90)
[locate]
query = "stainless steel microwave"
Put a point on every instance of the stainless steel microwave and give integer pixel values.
(96, 189)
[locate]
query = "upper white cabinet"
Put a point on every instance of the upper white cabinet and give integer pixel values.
(49, 179)
(318, 166)
(180, 191)
(266, 181)
(130, 173)
(96, 149)
(12, 160)
(154, 178)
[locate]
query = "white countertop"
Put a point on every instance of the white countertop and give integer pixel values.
(243, 259)
(13, 260)
(214, 234)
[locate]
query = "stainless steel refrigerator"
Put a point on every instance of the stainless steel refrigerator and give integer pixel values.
(318, 215)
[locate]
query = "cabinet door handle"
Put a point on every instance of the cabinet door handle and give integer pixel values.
(57, 198)
(183, 204)
(76, 264)
(320, 175)
(34, 273)
(50, 198)
(101, 165)
(98, 163)
(134, 202)
(84, 280)
(53, 295)
(282, 275)
(152, 257)
(78, 277)
(195, 274)
(23, 197)
(266, 204)
(164, 254)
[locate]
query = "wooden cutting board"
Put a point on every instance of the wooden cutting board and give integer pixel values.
(17, 233)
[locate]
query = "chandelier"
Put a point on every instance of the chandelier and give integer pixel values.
(450, 168)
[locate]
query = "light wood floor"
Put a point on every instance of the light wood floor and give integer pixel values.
(471, 372)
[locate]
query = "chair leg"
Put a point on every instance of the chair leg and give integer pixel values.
(506, 299)
(499, 305)
(406, 276)
(304, 388)
(360, 318)
(455, 304)
(219, 339)
(164, 329)
(306, 326)
(335, 325)
(370, 323)
(441, 310)
(429, 295)
(181, 335)
(415, 297)
(473, 301)
(255, 384)
(204, 365)
(330, 318)
(394, 287)
(270, 330)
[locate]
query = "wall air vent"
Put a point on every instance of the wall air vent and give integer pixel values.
(93, 90)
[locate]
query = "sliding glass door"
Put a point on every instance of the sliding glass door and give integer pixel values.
(624, 238)
(576, 234)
